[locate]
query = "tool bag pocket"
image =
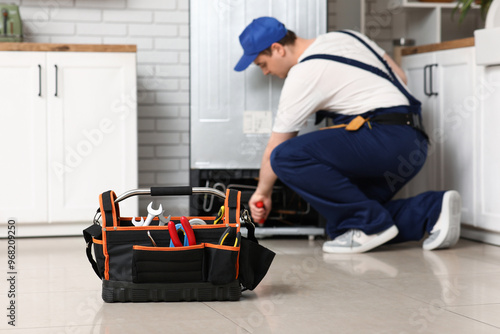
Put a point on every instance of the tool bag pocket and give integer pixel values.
(222, 263)
(168, 264)
(99, 255)
(119, 247)
(254, 262)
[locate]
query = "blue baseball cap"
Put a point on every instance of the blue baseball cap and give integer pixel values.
(258, 36)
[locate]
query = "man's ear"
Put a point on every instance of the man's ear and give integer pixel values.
(277, 47)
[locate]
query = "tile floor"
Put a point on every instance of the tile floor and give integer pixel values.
(395, 289)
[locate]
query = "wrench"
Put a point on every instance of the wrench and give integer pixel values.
(152, 213)
(137, 223)
(164, 221)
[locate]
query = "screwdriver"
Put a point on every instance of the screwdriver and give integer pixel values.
(260, 204)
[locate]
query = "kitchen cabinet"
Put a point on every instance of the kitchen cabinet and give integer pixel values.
(69, 124)
(432, 22)
(425, 22)
(24, 137)
(487, 100)
(444, 81)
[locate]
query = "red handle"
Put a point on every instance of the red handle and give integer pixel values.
(260, 204)
(188, 230)
(173, 234)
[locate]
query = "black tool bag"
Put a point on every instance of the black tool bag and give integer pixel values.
(138, 264)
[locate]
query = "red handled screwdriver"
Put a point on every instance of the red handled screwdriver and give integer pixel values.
(260, 204)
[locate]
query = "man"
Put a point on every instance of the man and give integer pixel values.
(350, 172)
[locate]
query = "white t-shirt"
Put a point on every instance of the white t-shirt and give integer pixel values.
(320, 84)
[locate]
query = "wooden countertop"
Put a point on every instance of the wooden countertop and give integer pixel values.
(67, 47)
(459, 43)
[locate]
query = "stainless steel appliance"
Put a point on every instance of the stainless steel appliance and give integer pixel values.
(232, 112)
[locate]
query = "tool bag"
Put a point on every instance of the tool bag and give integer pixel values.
(138, 264)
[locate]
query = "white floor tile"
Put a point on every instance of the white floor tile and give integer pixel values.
(394, 289)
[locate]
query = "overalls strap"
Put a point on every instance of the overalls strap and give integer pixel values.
(390, 76)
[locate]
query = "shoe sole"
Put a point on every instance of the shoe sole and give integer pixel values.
(385, 236)
(450, 233)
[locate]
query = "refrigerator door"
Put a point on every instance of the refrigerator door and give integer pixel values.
(232, 112)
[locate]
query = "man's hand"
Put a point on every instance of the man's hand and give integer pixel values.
(260, 207)
(266, 179)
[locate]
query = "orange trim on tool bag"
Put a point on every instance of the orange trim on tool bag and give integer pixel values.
(237, 223)
(115, 209)
(105, 252)
(96, 241)
(201, 227)
(210, 219)
(104, 229)
(229, 248)
(104, 244)
(168, 249)
(136, 228)
(226, 207)
(238, 209)
(154, 227)
(114, 212)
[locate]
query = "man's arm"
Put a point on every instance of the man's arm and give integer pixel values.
(398, 70)
(267, 178)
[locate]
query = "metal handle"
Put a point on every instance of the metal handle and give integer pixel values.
(170, 191)
(430, 92)
(39, 80)
(57, 70)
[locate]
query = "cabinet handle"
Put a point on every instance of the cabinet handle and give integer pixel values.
(56, 79)
(429, 68)
(39, 80)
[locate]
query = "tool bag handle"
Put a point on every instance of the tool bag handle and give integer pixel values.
(110, 210)
(170, 191)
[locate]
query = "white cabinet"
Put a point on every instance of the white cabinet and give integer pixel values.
(414, 67)
(426, 22)
(69, 130)
(487, 99)
(432, 22)
(444, 81)
(23, 129)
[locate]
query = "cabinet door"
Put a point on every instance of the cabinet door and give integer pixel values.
(488, 154)
(92, 132)
(418, 83)
(455, 135)
(23, 127)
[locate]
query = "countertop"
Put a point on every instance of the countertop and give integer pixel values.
(67, 47)
(455, 44)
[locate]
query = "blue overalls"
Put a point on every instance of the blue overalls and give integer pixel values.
(349, 177)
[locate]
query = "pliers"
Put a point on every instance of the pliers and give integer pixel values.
(189, 238)
(225, 234)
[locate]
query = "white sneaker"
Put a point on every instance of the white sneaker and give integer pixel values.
(355, 241)
(446, 231)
